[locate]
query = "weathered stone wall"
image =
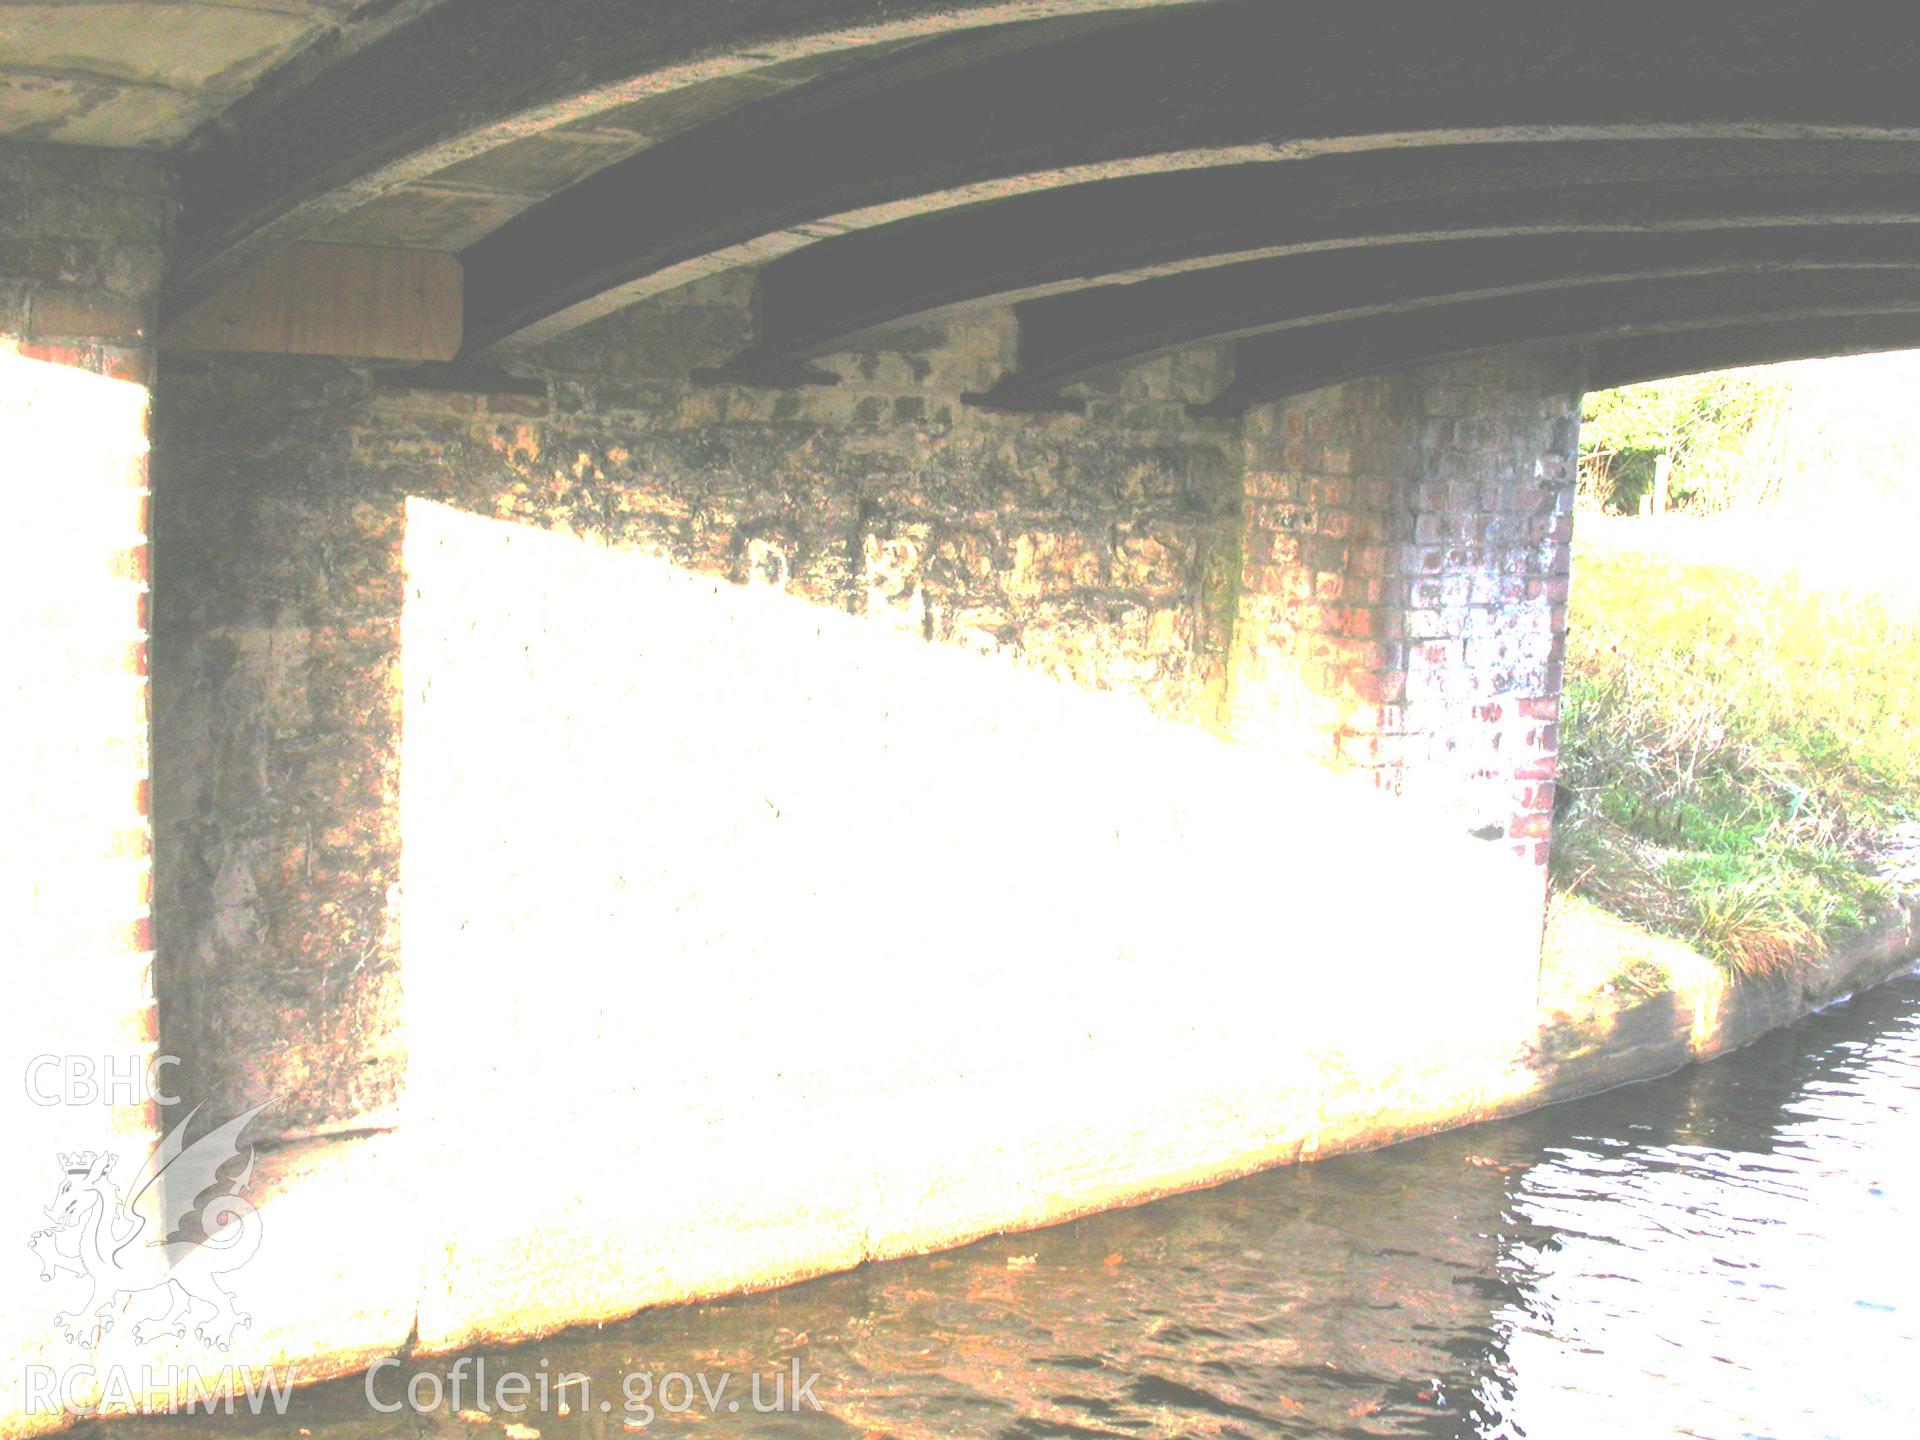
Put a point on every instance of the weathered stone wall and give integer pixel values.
(81, 240)
(466, 702)
(1101, 549)
(1373, 575)
(1405, 588)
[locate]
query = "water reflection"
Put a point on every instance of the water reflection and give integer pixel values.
(1723, 1253)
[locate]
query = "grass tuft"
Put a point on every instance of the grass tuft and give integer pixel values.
(1752, 928)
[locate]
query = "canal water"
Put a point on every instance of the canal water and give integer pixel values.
(1732, 1251)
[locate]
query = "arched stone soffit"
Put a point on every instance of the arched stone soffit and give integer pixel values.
(1084, 239)
(539, 310)
(1222, 84)
(1634, 359)
(947, 107)
(1270, 367)
(1069, 337)
(467, 78)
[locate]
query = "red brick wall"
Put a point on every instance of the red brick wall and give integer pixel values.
(1404, 590)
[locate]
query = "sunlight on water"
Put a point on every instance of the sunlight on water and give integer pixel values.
(1702, 1287)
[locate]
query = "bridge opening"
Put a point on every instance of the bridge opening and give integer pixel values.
(1743, 648)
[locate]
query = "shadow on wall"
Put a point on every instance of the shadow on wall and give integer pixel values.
(871, 945)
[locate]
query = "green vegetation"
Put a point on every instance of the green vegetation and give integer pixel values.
(1735, 741)
(1728, 436)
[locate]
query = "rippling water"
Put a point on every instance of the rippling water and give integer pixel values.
(1728, 1252)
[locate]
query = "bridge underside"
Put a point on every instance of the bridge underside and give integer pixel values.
(744, 559)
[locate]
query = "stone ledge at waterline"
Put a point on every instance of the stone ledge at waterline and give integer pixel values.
(1595, 1041)
(432, 1240)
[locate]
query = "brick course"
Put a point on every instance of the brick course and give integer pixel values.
(1405, 589)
